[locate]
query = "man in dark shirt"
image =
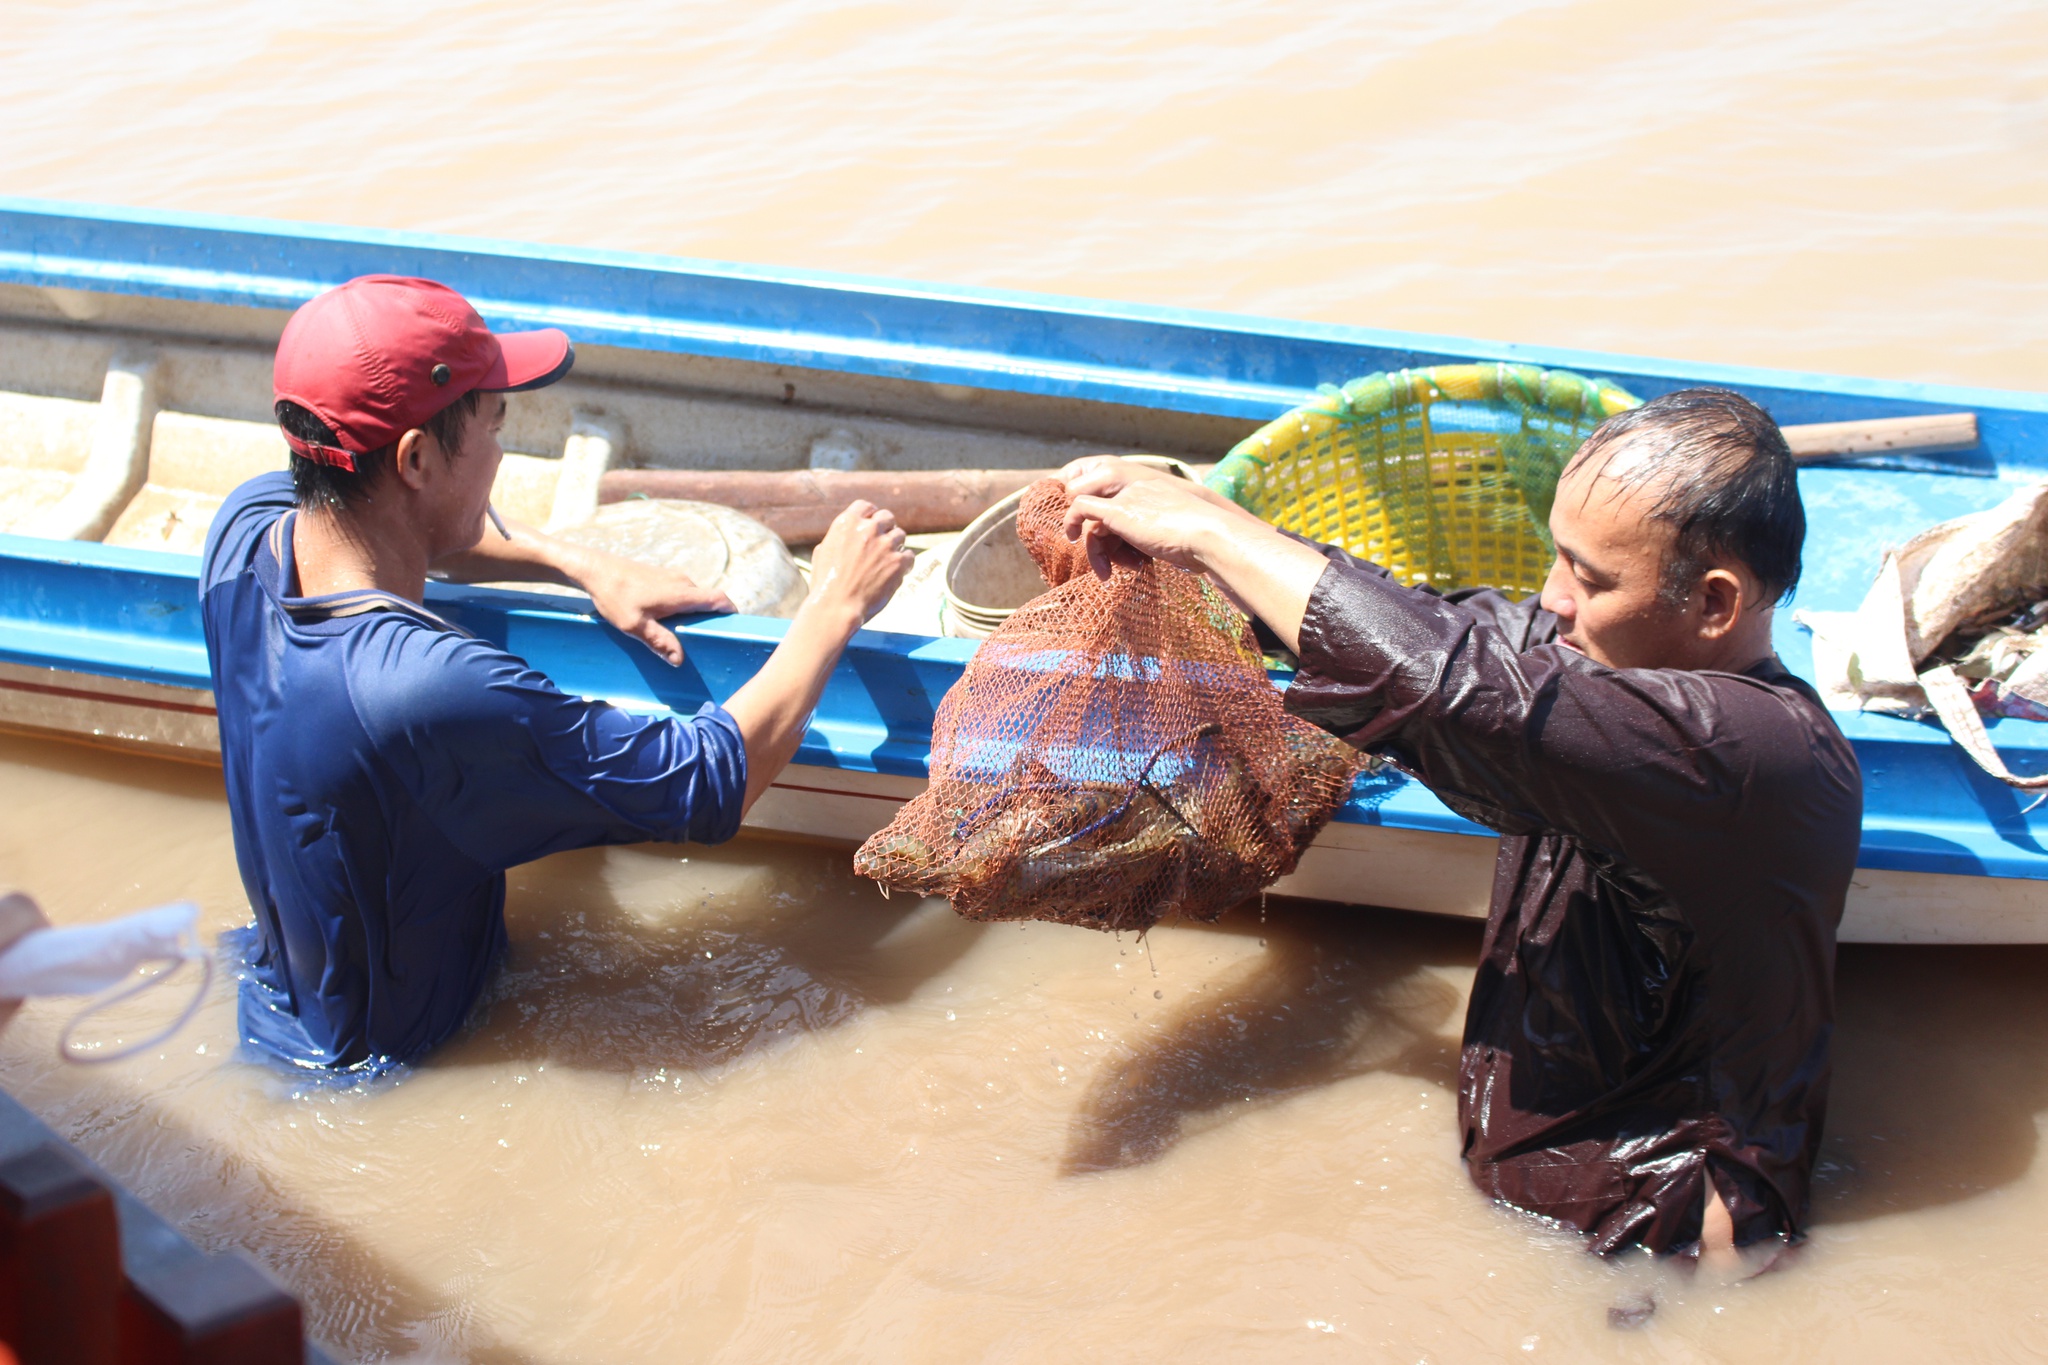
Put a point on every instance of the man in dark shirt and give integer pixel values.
(1680, 817)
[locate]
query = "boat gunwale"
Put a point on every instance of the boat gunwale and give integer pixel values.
(1030, 344)
(1043, 344)
(876, 733)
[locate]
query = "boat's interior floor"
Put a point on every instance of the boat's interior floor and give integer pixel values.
(43, 445)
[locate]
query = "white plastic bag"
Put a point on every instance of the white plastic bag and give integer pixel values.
(1875, 658)
(88, 958)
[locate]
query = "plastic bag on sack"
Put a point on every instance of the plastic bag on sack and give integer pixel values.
(1950, 628)
(1113, 754)
(85, 959)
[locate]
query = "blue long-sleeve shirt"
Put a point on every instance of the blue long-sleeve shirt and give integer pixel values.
(384, 768)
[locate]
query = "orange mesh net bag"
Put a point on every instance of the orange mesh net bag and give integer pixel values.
(1113, 754)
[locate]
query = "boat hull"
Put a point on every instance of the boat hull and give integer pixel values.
(135, 353)
(1400, 869)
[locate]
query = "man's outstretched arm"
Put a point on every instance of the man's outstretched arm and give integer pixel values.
(853, 572)
(1521, 743)
(525, 770)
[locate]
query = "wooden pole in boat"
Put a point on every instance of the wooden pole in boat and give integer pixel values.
(1924, 434)
(798, 504)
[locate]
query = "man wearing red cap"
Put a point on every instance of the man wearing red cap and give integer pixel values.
(383, 766)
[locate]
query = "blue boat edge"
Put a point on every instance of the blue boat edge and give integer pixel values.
(1934, 811)
(877, 710)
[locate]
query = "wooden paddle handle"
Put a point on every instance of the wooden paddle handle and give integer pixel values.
(799, 504)
(1882, 436)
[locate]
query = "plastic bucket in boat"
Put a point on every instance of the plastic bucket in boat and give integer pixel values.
(989, 574)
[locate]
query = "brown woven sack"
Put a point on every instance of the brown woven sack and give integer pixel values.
(1113, 754)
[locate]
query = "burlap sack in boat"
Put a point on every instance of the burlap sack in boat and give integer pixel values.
(1113, 754)
(1887, 654)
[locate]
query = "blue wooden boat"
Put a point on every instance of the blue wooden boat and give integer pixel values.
(147, 338)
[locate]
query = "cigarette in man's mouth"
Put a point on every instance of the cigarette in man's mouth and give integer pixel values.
(497, 520)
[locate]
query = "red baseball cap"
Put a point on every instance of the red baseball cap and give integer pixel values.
(378, 356)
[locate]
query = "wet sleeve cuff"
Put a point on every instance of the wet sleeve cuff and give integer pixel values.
(1271, 643)
(1344, 656)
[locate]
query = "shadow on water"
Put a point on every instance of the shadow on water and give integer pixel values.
(711, 977)
(1939, 1051)
(1941, 1066)
(1335, 994)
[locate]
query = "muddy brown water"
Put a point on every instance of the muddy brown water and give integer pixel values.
(732, 1105)
(1850, 186)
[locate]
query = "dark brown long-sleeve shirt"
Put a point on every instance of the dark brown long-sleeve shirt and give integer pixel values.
(1656, 992)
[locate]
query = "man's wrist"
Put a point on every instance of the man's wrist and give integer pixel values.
(833, 614)
(574, 564)
(1215, 543)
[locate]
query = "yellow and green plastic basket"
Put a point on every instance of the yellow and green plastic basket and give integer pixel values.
(1443, 475)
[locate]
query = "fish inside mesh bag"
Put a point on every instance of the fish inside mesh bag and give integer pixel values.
(1113, 754)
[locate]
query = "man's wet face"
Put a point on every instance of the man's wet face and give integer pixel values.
(1605, 586)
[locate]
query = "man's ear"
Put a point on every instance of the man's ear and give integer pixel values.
(411, 458)
(1721, 602)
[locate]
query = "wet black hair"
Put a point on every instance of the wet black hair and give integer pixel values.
(316, 484)
(1722, 478)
